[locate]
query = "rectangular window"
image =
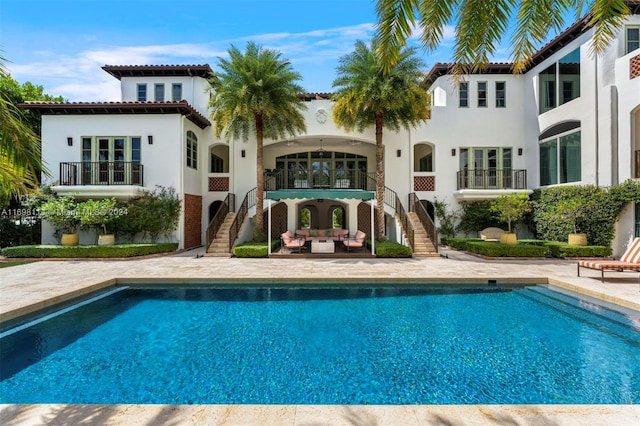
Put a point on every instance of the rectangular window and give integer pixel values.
(192, 150)
(632, 39)
(561, 159)
(159, 92)
(549, 162)
(426, 163)
(142, 93)
(482, 94)
(176, 92)
(569, 76)
(570, 158)
(217, 164)
(464, 94)
(501, 94)
(560, 82)
(547, 89)
(485, 168)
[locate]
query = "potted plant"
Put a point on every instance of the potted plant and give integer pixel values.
(98, 214)
(572, 210)
(511, 208)
(62, 213)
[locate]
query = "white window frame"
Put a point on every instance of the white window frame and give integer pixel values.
(158, 89)
(140, 86)
(486, 94)
(466, 98)
(504, 94)
(626, 37)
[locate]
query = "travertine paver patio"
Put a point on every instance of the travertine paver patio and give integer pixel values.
(41, 283)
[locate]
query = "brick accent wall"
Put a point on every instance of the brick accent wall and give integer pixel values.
(218, 184)
(634, 67)
(192, 221)
(424, 183)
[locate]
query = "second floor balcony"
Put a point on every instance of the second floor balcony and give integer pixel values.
(322, 178)
(491, 179)
(101, 173)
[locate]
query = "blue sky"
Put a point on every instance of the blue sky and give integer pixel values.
(61, 44)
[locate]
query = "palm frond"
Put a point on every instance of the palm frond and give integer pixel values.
(607, 17)
(396, 19)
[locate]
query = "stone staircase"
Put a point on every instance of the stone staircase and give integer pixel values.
(422, 245)
(220, 245)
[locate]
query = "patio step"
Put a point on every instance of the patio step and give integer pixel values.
(423, 247)
(220, 245)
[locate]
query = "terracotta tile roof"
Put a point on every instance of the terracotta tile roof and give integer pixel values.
(316, 96)
(87, 108)
(119, 71)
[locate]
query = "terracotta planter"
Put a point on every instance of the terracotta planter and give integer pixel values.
(578, 239)
(106, 240)
(509, 238)
(70, 239)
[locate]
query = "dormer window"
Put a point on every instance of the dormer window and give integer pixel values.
(159, 92)
(176, 92)
(142, 93)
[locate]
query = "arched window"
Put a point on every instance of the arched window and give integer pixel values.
(337, 217)
(192, 150)
(219, 159)
(560, 157)
(305, 218)
(423, 158)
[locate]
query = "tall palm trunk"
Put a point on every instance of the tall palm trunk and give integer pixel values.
(379, 179)
(258, 231)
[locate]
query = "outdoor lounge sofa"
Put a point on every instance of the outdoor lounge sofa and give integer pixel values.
(334, 234)
(291, 242)
(630, 261)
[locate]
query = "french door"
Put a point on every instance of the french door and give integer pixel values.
(111, 160)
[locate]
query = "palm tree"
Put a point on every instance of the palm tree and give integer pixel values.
(256, 92)
(480, 25)
(19, 149)
(368, 95)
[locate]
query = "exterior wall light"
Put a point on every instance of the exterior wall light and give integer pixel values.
(453, 152)
(243, 153)
(150, 139)
(70, 141)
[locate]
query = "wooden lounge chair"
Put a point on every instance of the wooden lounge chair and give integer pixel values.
(356, 241)
(291, 242)
(630, 261)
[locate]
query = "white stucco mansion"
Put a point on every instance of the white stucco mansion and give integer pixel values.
(571, 118)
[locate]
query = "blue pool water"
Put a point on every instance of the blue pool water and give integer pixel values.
(326, 346)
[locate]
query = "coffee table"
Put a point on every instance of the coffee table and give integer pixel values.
(322, 246)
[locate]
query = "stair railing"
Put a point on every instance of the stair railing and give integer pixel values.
(228, 205)
(248, 202)
(418, 208)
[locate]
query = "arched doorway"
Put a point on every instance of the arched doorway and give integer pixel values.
(213, 209)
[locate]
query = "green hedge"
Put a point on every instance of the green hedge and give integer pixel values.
(563, 250)
(495, 249)
(526, 248)
(391, 249)
(93, 251)
(255, 249)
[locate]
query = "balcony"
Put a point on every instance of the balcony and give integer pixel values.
(101, 173)
(491, 179)
(325, 178)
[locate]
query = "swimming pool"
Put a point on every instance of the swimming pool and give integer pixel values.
(293, 345)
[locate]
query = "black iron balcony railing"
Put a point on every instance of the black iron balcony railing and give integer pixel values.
(101, 173)
(492, 179)
(319, 179)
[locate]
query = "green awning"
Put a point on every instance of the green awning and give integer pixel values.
(332, 194)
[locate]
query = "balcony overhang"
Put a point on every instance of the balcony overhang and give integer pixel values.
(120, 192)
(486, 194)
(331, 194)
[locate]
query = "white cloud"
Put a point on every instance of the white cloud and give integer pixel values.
(79, 77)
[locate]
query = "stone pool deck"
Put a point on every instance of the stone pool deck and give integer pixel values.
(35, 285)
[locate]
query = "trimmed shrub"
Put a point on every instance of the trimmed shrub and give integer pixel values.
(255, 249)
(118, 250)
(562, 250)
(392, 249)
(459, 243)
(495, 249)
